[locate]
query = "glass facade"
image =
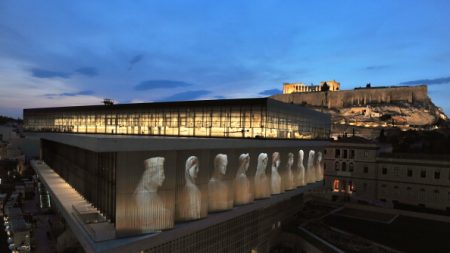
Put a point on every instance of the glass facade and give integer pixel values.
(92, 174)
(235, 118)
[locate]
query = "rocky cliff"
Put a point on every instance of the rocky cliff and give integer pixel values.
(365, 112)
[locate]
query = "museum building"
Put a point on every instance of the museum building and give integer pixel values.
(123, 186)
(230, 118)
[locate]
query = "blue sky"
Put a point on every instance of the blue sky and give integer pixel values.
(59, 53)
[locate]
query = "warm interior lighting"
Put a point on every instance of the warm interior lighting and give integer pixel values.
(336, 185)
(250, 121)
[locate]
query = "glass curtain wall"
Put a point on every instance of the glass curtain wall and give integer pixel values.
(236, 121)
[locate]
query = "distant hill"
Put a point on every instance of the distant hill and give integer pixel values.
(366, 111)
(5, 120)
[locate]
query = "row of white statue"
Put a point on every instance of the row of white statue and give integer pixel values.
(153, 215)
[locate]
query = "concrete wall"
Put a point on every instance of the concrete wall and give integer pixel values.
(346, 98)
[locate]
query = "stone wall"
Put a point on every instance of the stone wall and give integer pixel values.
(358, 97)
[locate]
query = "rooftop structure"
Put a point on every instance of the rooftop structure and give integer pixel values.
(233, 118)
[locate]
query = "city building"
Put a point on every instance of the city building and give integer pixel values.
(350, 162)
(289, 88)
(182, 190)
(360, 169)
(414, 180)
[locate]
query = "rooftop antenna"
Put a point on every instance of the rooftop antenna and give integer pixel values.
(108, 101)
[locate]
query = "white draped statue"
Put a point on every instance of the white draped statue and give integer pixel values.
(219, 197)
(300, 169)
(151, 213)
(262, 187)
(242, 193)
(190, 200)
(319, 167)
(289, 185)
(275, 181)
(310, 171)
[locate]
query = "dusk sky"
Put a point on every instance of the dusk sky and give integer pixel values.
(62, 53)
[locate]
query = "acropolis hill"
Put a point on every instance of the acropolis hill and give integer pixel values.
(367, 109)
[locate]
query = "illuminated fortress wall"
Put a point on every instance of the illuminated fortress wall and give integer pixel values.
(237, 118)
(357, 97)
(289, 88)
(152, 190)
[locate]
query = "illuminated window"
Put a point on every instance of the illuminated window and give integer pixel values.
(336, 185)
(351, 187)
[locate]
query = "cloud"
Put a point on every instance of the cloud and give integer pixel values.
(137, 58)
(136, 101)
(70, 94)
(376, 67)
(219, 97)
(160, 84)
(270, 92)
(436, 81)
(87, 71)
(43, 73)
(187, 95)
(25, 92)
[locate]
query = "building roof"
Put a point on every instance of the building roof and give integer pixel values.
(356, 140)
(406, 233)
(123, 143)
(416, 156)
(151, 105)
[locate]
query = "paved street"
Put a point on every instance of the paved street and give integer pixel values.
(42, 238)
(3, 238)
